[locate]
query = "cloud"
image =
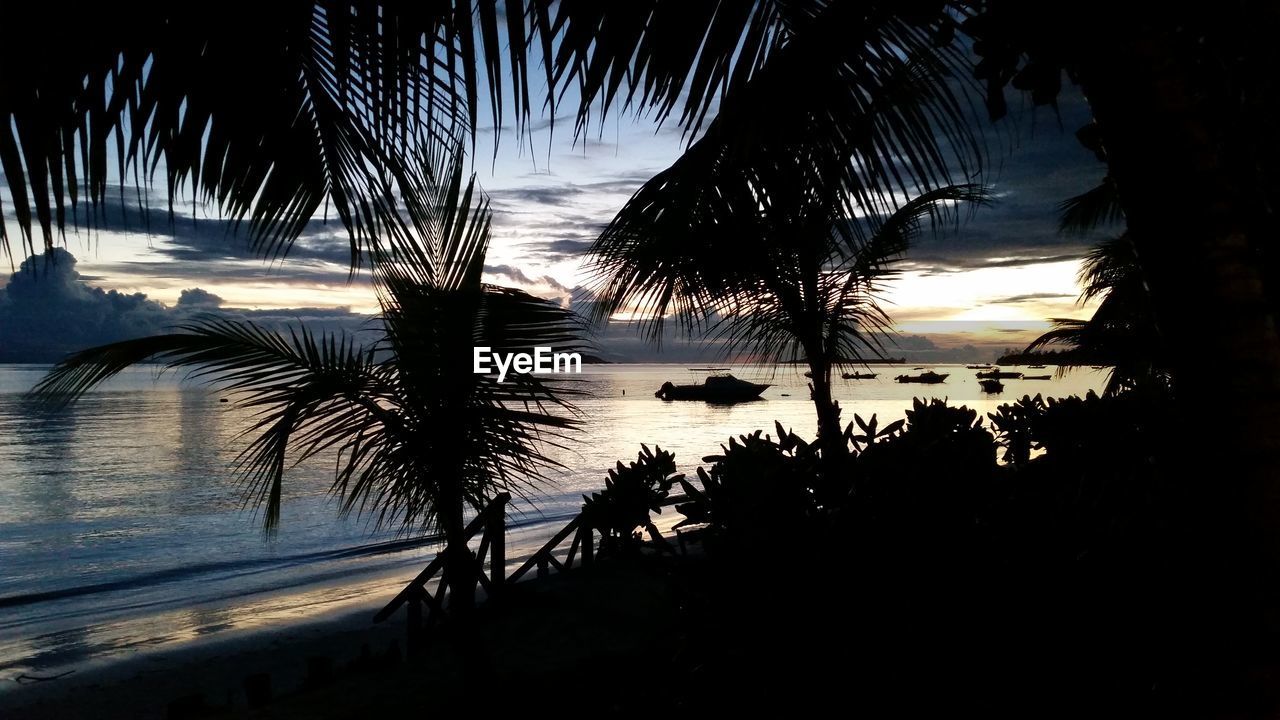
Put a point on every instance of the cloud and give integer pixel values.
(954, 263)
(545, 286)
(197, 237)
(48, 310)
(1029, 297)
(1043, 166)
(564, 121)
(558, 250)
(197, 297)
(557, 195)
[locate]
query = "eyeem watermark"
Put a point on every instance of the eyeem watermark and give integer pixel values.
(542, 361)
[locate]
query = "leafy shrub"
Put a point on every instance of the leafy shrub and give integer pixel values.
(1013, 426)
(921, 491)
(630, 493)
(757, 490)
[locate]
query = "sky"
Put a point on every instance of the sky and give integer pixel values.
(964, 295)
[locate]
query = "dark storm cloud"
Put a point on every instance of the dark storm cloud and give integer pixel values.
(48, 310)
(557, 250)
(191, 245)
(197, 237)
(541, 195)
(289, 274)
(211, 239)
(623, 183)
(1045, 166)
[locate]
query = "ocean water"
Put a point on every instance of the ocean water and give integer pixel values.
(122, 525)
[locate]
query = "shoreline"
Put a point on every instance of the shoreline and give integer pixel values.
(214, 665)
(143, 683)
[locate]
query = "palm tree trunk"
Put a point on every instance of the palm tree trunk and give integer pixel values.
(1190, 217)
(830, 434)
(459, 564)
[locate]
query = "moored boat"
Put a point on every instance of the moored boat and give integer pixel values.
(928, 377)
(716, 389)
(999, 375)
(858, 376)
(991, 385)
(1036, 377)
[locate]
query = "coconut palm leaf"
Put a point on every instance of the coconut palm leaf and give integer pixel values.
(1090, 210)
(1122, 332)
(832, 280)
(1110, 265)
(273, 112)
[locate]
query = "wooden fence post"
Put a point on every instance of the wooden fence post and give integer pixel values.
(497, 529)
(416, 629)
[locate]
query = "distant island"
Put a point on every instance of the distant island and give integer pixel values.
(1049, 357)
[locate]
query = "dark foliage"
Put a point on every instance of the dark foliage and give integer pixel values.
(621, 511)
(1072, 566)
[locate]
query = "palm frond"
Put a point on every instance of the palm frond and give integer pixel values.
(274, 113)
(818, 301)
(1088, 211)
(672, 249)
(1110, 265)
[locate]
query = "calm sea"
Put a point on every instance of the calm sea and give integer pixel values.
(122, 527)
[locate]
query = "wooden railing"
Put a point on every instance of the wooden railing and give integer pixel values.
(492, 524)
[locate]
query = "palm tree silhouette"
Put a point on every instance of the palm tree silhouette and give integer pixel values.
(773, 265)
(420, 439)
(1122, 332)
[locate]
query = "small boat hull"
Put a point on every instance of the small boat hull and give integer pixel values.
(858, 376)
(991, 386)
(927, 378)
(999, 375)
(722, 389)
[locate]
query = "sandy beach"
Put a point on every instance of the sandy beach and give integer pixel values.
(326, 630)
(143, 684)
(551, 631)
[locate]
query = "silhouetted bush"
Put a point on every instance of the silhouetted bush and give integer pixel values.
(758, 492)
(630, 493)
(1061, 541)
